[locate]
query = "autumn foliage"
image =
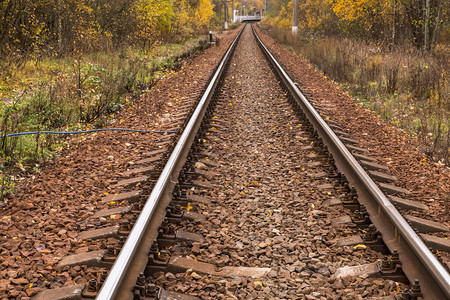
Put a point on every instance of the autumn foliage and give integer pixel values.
(62, 26)
(422, 22)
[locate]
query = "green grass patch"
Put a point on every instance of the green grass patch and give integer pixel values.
(73, 93)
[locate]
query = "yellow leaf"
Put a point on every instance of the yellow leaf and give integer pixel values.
(256, 182)
(258, 283)
(359, 246)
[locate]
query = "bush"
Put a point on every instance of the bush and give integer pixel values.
(73, 93)
(401, 84)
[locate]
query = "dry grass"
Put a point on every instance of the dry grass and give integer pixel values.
(403, 86)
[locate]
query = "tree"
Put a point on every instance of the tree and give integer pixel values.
(425, 19)
(279, 13)
(421, 21)
(368, 18)
(39, 27)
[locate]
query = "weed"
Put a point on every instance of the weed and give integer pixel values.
(400, 84)
(71, 93)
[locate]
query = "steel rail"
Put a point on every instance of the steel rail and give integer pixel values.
(133, 256)
(417, 260)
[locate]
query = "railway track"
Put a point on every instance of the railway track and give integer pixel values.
(257, 189)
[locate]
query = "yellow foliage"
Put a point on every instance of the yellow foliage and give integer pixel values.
(350, 10)
(204, 12)
(368, 14)
(282, 17)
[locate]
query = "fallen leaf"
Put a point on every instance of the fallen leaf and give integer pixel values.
(359, 246)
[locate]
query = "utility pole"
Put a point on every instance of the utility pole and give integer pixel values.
(295, 17)
(226, 15)
(232, 11)
(265, 7)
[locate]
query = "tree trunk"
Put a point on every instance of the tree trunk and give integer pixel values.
(438, 23)
(59, 26)
(427, 26)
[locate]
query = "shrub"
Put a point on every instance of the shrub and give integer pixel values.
(401, 84)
